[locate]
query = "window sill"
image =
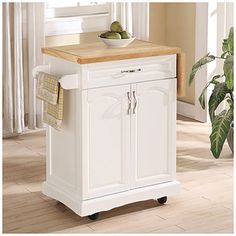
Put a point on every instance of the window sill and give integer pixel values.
(78, 24)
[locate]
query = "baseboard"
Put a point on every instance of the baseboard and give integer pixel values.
(186, 109)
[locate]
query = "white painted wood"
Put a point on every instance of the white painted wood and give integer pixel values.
(62, 147)
(69, 81)
(66, 10)
(91, 164)
(113, 73)
(186, 109)
(62, 169)
(84, 208)
(201, 30)
(62, 67)
(107, 164)
(40, 68)
(153, 129)
(140, 20)
(77, 24)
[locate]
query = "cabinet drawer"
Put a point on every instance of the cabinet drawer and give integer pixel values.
(128, 71)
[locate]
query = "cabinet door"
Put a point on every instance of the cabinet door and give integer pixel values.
(153, 132)
(107, 161)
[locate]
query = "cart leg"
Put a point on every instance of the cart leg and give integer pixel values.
(162, 200)
(94, 216)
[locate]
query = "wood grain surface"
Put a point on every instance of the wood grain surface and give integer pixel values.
(99, 52)
(181, 74)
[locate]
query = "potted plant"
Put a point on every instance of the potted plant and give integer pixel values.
(222, 123)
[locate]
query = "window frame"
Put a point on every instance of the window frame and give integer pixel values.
(67, 20)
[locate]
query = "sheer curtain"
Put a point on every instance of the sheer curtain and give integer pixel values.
(134, 17)
(23, 37)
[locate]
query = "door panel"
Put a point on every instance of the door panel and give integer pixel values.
(153, 132)
(108, 142)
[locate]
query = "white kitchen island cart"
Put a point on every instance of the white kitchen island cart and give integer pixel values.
(117, 143)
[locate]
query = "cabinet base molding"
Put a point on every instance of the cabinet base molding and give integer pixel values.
(91, 206)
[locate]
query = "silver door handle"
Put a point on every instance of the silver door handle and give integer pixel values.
(130, 71)
(129, 103)
(135, 102)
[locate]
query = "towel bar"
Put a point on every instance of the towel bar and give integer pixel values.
(67, 81)
(40, 68)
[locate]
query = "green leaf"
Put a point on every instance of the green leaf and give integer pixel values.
(229, 71)
(230, 102)
(223, 55)
(204, 60)
(217, 96)
(220, 129)
(201, 98)
(228, 44)
(214, 79)
(231, 41)
(225, 46)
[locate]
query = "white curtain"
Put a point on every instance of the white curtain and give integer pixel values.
(23, 37)
(134, 17)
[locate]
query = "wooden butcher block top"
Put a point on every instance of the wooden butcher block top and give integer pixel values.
(99, 52)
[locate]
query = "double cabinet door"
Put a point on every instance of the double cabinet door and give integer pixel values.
(130, 137)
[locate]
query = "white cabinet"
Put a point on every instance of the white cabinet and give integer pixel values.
(153, 132)
(108, 136)
(117, 143)
(130, 130)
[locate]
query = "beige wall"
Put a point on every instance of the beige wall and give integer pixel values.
(173, 24)
(157, 23)
(180, 31)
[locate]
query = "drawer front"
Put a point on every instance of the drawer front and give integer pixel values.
(128, 71)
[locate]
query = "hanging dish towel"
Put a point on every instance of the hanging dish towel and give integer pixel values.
(50, 91)
(47, 87)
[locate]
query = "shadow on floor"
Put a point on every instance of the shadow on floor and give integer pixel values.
(201, 161)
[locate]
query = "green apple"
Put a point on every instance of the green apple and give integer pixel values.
(125, 35)
(113, 35)
(116, 27)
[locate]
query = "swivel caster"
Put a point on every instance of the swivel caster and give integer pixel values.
(162, 200)
(93, 216)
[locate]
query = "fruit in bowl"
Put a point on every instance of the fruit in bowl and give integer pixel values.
(125, 35)
(116, 37)
(110, 35)
(116, 27)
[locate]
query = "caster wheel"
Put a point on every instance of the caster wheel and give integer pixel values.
(93, 216)
(162, 200)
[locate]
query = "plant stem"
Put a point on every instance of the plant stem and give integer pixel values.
(232, 96)
(219, 57)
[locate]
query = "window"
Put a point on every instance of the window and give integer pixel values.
(73, 17)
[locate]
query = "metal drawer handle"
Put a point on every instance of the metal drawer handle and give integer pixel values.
(130, 71)
(129, 103)
(135, 102)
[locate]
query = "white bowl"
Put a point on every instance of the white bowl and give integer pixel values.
(117, 43)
